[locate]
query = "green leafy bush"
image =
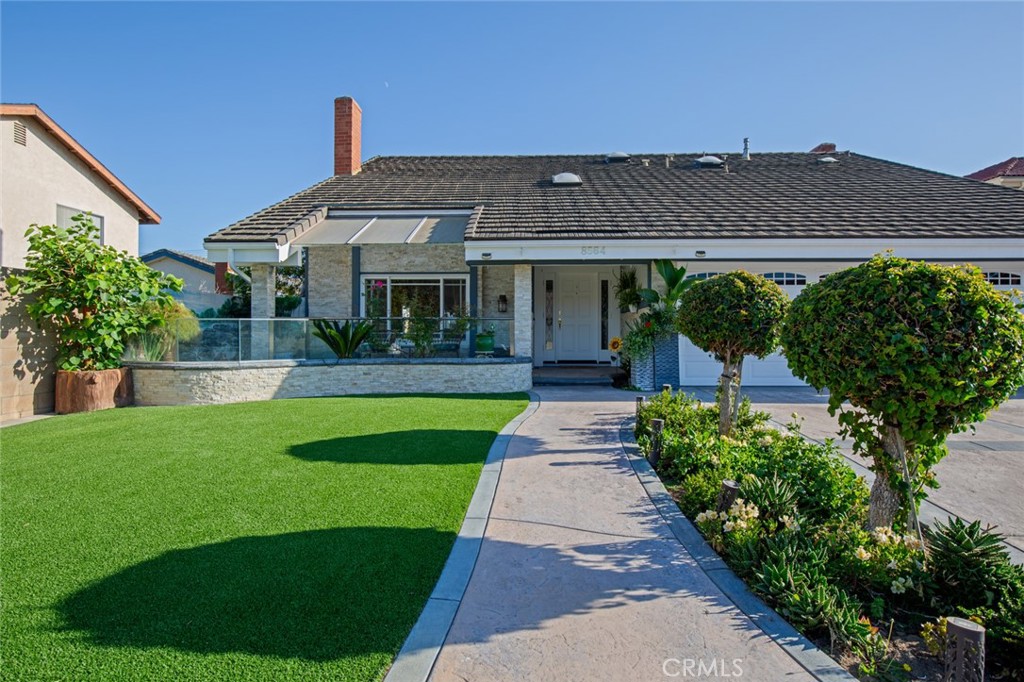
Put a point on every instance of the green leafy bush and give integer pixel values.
(732, 315)
(172, 324)
(91, 295)
(919, 350)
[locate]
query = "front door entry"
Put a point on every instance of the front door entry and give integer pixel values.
(577, 334)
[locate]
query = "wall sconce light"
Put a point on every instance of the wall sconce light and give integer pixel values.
(503, 303)
(700, 254)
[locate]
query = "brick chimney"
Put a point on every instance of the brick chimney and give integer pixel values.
(348, 136)
(221, 284)
(824, 148)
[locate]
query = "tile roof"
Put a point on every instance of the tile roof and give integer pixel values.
(195, 261)
(1012, 167)
(774, 195)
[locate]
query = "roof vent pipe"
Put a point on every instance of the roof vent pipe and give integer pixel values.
(746, 149)
(668, 160)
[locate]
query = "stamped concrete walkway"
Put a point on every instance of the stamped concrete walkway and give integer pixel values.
(580, 578)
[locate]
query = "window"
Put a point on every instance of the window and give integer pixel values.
(396, 296)
(1002, 279)
(66, 213)
(703, 275)
(786, 278)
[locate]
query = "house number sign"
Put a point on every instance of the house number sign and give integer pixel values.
(592, 250)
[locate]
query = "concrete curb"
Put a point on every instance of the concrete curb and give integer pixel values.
(800, 649)
(416, 658)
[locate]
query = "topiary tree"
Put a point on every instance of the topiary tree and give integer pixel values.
(92, 295)
(919, 350)
(732, 315)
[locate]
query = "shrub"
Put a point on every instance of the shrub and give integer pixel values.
(172, 324)
(657, 322)
(732, 315)
(343, 339)
(90, 294)
(919, 350)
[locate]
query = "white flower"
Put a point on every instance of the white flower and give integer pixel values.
(728, 526)
(765, 441)
(911, 542)
(892, 565)
(790, 523)
(900, 585)
(884, 536)
(862, 554)
(702, 517)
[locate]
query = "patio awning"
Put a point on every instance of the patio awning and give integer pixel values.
(386, 228)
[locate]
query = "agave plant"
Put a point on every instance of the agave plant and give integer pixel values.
(343, 339)
(965, 559)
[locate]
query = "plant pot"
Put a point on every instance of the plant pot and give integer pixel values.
(484, 344)
(89, 391)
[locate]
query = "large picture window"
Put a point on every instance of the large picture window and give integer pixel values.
(409, 296)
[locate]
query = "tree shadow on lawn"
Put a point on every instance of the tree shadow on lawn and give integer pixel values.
(414, 446)
(316, 595)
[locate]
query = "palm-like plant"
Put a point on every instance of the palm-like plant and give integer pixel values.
(343, 339)
(675, 284)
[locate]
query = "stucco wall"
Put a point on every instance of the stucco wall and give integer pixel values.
(200, 291)
(43, 173)
(216, 383)
(26, 361)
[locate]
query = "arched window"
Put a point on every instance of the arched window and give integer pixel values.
(786, 278)
(1002, 279)
(703, 275)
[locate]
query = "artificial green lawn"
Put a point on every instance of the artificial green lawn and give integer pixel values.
(293, 539)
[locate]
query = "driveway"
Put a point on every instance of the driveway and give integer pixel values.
(981, 477)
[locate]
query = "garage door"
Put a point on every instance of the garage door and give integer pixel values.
(697, 368)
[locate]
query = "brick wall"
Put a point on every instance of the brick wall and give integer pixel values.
(231, 383)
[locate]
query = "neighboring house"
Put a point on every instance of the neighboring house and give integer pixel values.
(205, 285)
(1009, 173)
(540, 239)
(47, 178)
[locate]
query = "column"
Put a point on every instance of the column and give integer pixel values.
(523, 310)
(264, 301)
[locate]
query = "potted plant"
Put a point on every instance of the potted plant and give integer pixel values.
(95, 299)
(627, 290)
(485, 340)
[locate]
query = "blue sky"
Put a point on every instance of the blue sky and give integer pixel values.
(210, 111)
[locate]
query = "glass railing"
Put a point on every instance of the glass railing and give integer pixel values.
(240, 340)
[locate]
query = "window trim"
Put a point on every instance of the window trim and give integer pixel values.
(77, 211)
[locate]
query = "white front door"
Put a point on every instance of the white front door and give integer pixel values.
(577, 334)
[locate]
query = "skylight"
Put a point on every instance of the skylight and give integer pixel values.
(566, 179)
(709, 161)
(616, 157)
(828, 159)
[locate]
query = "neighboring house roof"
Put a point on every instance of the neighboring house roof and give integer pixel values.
(1012, 167)
(197, 262)
(774, 195)
(147, 215)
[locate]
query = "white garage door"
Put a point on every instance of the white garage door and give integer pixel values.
(697, 368)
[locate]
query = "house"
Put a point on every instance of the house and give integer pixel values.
(1009, 173)
(47, 178)
(539, 240)
(205, 285)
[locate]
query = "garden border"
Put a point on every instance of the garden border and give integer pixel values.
(416, 658)
(799, 648)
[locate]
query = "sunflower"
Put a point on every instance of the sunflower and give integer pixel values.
(615, 345)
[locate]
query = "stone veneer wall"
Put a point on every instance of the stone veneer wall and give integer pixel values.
(215, 383)
(330, 270)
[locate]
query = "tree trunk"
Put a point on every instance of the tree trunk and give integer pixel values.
(725, 400)
(886, 502)
(736, 389)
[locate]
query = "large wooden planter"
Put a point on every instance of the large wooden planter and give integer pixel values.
(88, 391)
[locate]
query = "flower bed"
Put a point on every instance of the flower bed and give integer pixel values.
(796, 535)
